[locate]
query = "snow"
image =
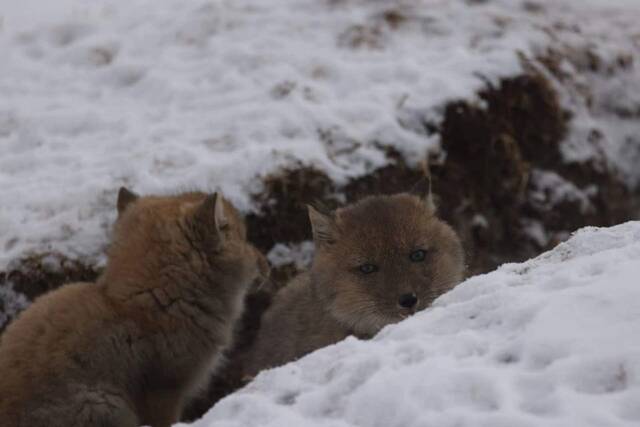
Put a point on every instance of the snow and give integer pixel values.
(549, 189)
(298, 254)
(549, 342)
(166, 95)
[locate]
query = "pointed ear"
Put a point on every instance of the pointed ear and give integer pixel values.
(323, 226)
(422, 189)
(125, 198)
(209, 217)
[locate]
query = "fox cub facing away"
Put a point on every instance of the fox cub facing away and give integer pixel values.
(128, 350)
(376, 262)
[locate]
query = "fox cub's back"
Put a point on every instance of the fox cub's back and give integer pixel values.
(146, 334)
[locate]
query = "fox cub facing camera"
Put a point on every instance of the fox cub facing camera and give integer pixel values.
(376, 262)
(128, 350)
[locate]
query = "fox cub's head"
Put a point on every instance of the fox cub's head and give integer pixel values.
(196, 232)
(383, 258)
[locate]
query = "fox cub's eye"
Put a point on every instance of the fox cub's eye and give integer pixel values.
(417, 256)
(368, 268)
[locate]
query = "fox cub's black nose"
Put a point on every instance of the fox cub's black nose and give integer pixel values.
(407, 300)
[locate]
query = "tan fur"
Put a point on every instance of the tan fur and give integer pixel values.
(130, 349)
(335, 299)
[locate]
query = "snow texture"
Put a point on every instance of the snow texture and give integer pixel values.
(549, 189)
(298, 254)
(167, 95)
(550, 342)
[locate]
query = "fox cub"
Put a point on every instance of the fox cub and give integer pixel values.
(128, 350)
(376, 262)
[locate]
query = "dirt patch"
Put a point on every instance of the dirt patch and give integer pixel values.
(491, 151)
(497, 157)
(283, 213)
(41, 273)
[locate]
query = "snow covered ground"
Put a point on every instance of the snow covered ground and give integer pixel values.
(163, 95)
(549, 342)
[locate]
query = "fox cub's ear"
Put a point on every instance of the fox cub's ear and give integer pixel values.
(323, 226)
(125, 198)
(422, 189)
(210, 218)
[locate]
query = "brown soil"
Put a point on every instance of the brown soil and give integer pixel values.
(519, 130)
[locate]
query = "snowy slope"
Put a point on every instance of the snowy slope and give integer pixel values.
(549, 342)
(164, 95)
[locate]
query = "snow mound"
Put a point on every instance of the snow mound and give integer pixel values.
(164, 95)
(549, 342)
